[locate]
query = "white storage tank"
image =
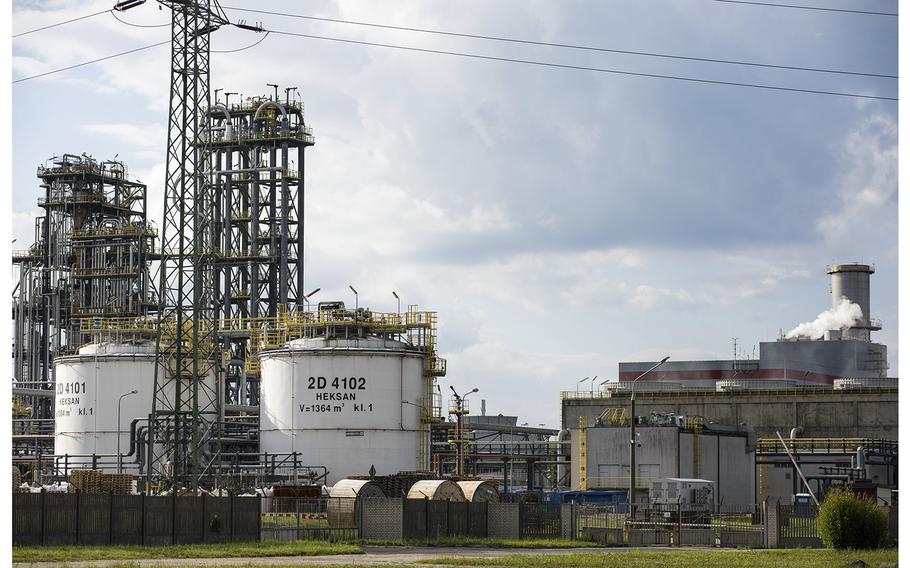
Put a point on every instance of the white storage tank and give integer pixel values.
(480, 491)
(88, 388)
(347, 404)
(436, 490)
(341, 508)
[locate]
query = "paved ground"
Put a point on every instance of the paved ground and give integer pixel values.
(374, 556)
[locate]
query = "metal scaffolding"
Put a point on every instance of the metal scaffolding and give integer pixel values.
(257, 149)
(91, 258)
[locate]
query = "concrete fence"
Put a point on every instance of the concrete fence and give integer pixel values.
(416, 519)
(76, 518)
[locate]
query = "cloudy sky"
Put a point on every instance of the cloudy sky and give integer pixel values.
(560, 221)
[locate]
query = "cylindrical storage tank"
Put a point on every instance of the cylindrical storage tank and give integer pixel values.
(347, 404)
(436, 490)
(341, 506)
(356, 488)
(88, 389)
(91, 387)
(480, 491)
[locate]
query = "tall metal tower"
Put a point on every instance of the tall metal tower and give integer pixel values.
(187, 407)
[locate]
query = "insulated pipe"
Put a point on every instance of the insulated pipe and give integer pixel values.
(795, 431)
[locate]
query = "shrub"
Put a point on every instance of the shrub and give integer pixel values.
(846, 520)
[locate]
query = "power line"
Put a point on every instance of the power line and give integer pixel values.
(559, 45)
(84, 63)
(137, 25)
(61, 23)
(801, 7)
(260, 40)
(586, 68)
(502, 59)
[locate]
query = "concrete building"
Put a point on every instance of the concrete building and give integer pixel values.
(863, 463)
(822, 412)
(667, 448)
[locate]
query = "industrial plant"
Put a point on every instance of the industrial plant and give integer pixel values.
(819, 397)
(195, 359)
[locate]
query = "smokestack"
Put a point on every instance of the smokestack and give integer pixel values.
(483, 407)
(851, 281)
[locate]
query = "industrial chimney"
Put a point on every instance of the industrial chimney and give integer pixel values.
(851, 281)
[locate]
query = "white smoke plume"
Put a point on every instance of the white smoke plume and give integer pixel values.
(845, 314)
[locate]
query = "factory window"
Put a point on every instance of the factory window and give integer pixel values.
(649, 470)
(612, 470)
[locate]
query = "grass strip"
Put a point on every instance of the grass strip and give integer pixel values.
(465, 541)
(222, 550)
(732, 558)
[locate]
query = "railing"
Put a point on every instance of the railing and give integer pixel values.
(696, 392)
(124, 231)
(827, 446)
(619, 482)
(304, 135)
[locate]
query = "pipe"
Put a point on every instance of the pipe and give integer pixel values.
(241, 408)
(563, 436)
(20, 391)
(795, 431)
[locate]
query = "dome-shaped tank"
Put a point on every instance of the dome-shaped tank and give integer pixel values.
(348, 404)
(341, 508)
(89, 386)
(480, 491)
(436, 490)
(356, 488)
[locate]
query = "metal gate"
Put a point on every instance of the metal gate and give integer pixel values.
(797, 526)
(539, 520)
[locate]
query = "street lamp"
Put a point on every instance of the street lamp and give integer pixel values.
(306, 299)
(394, 293)
(356, 299)
(578, 384)
(592, 385)
(119, 456)
(632, 435)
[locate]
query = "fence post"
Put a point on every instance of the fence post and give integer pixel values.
(771, 525)
(110, 518)
(174, 517)
(142, 514)
(43, 517)
(205, 522)
(259, 515)
(78, 498)
(678, 524)
(231, 517)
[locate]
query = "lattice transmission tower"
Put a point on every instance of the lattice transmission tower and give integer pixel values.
(184, 444)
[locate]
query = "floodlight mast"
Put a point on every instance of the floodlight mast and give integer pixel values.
(184, 444)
